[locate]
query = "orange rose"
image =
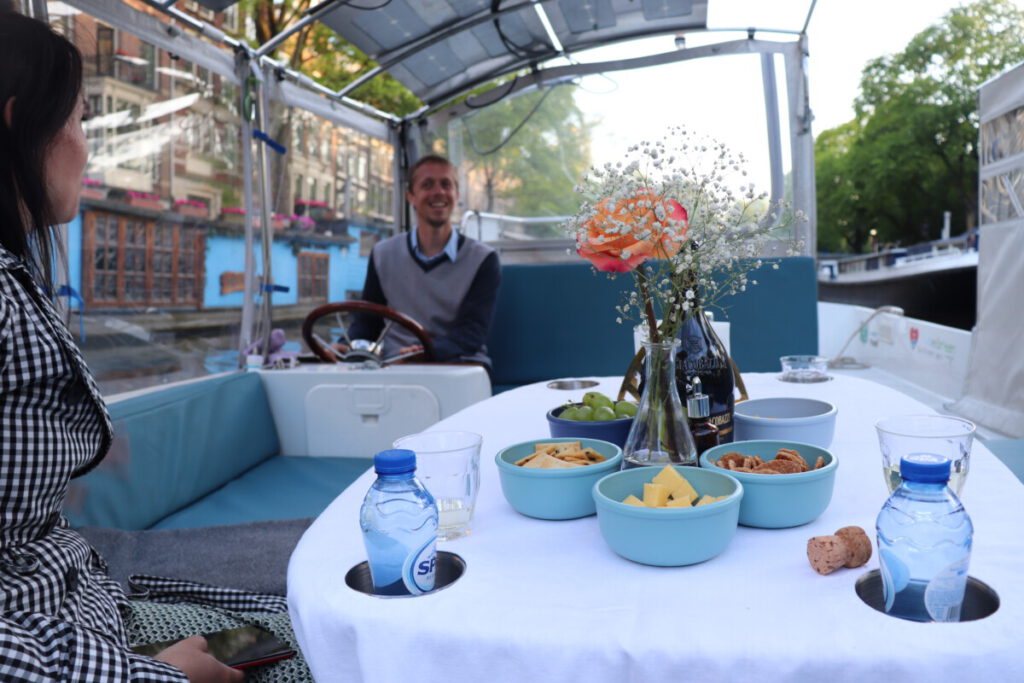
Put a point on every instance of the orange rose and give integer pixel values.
(621, 237)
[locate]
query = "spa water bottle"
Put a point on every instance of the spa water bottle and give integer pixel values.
(399, 523)
(924, 543)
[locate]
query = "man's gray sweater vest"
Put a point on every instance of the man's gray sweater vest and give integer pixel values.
(432, 297)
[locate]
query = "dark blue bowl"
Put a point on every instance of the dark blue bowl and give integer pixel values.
(613, 431)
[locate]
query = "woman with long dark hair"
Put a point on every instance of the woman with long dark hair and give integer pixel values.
(61, 616)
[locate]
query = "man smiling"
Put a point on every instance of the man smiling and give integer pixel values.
(443, 280)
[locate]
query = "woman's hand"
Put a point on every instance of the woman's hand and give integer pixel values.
(192, 657)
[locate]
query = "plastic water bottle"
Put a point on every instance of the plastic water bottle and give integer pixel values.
(924, 543)
(399, 522)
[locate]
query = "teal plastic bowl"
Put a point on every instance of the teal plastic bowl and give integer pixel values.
(614, 431)
(553, 494)
(776, 501)
(667, 537)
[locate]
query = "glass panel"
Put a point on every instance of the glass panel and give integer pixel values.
(163, 206)
(996, 202)
(1003, 136)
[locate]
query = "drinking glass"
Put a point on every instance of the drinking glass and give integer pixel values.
(942, 435)
(804, 369)
(448, 464)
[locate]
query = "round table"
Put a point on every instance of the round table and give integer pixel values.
(549, 601)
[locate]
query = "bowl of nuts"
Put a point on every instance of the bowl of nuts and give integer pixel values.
(785, 483)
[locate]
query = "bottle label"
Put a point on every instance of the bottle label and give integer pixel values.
(945, 592)
(420, 567)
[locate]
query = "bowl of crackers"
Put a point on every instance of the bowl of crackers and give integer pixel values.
(552, 478)
(785, 483)
(670, 516)
(807, 420)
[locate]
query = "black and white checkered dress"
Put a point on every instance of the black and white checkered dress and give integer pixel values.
(61, 614)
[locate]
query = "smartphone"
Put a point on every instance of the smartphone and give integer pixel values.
(239, 648)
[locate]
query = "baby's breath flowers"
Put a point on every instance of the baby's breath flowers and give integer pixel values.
(682, 230)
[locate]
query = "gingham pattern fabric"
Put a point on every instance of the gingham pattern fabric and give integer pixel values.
(60, 614)
(159, 589)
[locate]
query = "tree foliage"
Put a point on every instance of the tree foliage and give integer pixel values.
(320, 53)
(910, 152)
(525, 154)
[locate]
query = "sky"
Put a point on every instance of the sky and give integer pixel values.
(722, 96)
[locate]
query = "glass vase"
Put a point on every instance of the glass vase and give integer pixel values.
(702, 354)
(660, 434)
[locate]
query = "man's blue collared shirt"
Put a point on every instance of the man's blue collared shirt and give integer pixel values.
(451, 249)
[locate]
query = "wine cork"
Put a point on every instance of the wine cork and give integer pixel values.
(827, 553)
(858, 543)
(848, 547)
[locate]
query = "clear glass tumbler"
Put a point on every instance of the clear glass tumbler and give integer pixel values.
(943, 435)
(448, 464)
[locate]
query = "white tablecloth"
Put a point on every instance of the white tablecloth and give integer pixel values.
(549, 601)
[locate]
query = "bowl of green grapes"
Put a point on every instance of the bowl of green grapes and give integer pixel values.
(595, 417)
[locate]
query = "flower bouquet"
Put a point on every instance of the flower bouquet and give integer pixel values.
(670, 217)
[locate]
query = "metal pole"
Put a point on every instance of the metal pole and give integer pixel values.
(266, 228)
(771, 112)
(802, 146)
(245, 333)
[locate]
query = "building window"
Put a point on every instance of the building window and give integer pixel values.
(313, 275)
(104, 51)
(366, 241)
(135, 263)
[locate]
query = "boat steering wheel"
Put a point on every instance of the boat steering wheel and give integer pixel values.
(323, 349)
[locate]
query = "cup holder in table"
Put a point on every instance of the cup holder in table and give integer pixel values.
(980, 600)
(450, 567)
(572, 384)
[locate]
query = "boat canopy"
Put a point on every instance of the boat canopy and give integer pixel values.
(996, 366)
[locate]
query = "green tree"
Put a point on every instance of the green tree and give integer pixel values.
(323, 55)
(910, 153)
(528, 152)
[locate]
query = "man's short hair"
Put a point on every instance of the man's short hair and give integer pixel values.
(429, 159)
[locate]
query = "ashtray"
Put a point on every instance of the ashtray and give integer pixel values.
(571, 384)
(450, 567)
(804, 369)
(980, 600)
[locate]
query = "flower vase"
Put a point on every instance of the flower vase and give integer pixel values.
(660, 434)
(702, 354)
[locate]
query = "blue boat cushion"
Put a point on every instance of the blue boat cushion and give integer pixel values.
(776, 317)
(283, 487)
(172, 447)
(559, 320)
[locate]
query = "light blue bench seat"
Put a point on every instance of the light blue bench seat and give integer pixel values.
(201, 454)
(281, 487)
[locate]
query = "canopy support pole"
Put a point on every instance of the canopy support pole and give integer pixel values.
(245, 332)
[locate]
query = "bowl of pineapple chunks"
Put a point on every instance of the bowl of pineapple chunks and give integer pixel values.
(595, 417)
(668, 517)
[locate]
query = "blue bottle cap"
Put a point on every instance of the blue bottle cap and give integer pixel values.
(394, 461)
(925, 467)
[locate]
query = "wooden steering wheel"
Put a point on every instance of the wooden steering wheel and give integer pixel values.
(326, 353)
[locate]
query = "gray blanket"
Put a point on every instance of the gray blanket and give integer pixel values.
(251, 556)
